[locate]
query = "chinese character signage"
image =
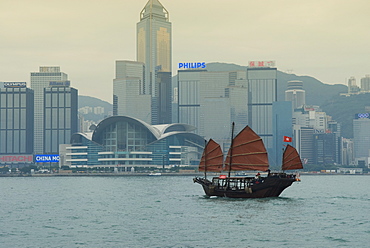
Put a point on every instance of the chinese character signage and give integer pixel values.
(268, 64)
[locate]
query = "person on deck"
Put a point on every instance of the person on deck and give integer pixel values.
(258, 176)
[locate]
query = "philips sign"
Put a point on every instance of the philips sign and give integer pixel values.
(53, 158)
(195, 65)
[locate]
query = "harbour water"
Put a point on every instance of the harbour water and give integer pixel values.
(163, 211)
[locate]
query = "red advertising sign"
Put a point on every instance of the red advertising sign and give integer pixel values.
(269, 63)
(16, 158)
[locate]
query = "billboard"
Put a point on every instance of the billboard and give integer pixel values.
(15, 84)
(59, 83)
(195, 65)
(267, 64)
(362, 116)
(16, 158)
(48, 158)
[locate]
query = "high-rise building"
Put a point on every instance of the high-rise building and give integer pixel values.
(335, 128)
(361, 135)
(347, 151)
(16, 124)
(365, 83)
(60, 115)
(311, 116)
(282, 126)
(262, 92)
(296, 94)
(39, 81)
(352, 86)
(304, 143)
(154, 50)
(325, 150)
(128, 92)
(211, 101)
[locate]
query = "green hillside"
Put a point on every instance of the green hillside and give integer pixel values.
(343, 110)
(94, 102)
(316, 92)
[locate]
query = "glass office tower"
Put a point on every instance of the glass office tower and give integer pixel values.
(16, 119)
(60, 115)
(128, 97)
(262, 85)
(154, 50)
(361, 135)
(40, 80)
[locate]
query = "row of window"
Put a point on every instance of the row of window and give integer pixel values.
(13, 141)
(58, 99)
(13, 118)
(11, 100)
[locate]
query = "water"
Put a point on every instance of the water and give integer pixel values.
(320, 211)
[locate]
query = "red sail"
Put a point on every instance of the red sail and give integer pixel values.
(212, 158)
(291, 159)
(248, 152)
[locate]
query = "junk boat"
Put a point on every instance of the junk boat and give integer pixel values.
(247, 153)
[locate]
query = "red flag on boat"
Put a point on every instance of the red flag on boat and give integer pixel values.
(287, 139)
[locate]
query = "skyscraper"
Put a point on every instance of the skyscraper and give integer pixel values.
(16, 121)
(39, 81)
(361, 135)
(211, 101)
(128, 97)
(296, 94)
(154, 50)
(262, 85)
(60, 115)
(365, 83)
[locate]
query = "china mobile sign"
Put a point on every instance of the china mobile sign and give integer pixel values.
(49, 158)
(16, 158)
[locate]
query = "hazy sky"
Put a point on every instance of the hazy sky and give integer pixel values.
(329, 40)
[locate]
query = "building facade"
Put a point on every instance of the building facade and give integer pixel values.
(365, 84)
(211, 101)
(128, 91)
(154, 49)
(304, 143)
(39, 81)
(296, 94)
(361, 135)
(16, 124)
(60, 115)
(125, 142)
(262, 92)
(282, 126)
(325, 149)
(311, 116)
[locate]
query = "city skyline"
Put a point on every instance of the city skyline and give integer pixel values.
(326, 40)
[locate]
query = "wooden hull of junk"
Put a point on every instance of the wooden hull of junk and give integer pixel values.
(247, 187)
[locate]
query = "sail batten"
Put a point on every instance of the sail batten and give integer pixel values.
(212, 158)
(247, 152)
(291, 159)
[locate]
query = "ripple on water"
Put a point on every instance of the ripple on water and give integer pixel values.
(120, 212)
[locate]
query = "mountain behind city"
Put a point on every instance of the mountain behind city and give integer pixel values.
(341, 108)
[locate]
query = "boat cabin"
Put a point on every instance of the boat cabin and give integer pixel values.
(235, 183)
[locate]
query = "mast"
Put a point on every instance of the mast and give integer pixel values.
(205, 160)
(231, 147)
(247, 152)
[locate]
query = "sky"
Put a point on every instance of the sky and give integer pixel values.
(328, 40)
